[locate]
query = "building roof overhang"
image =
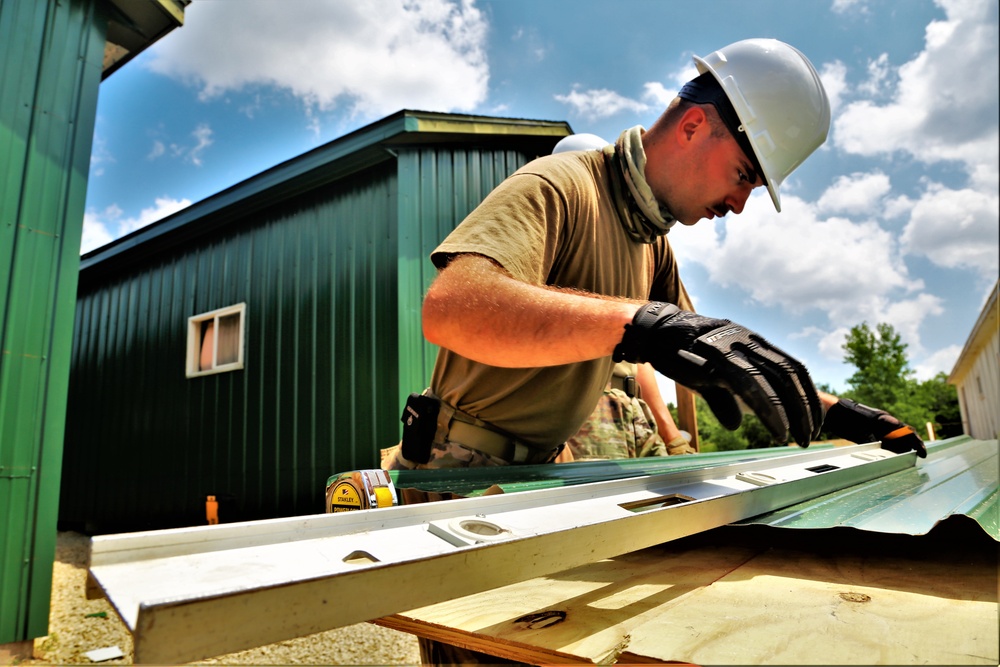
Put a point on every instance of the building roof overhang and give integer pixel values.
(358, 150)
(134, 25)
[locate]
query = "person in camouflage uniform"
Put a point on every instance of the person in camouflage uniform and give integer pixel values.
(624, 426)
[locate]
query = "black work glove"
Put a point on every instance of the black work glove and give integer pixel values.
(859, 423)
(720, 359)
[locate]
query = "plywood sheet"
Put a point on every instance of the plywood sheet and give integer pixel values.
(738, 603)
(792, 607)
(584, 614)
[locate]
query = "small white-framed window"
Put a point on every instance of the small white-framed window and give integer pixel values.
(215, 341)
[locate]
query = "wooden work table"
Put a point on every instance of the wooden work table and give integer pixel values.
(746, 595)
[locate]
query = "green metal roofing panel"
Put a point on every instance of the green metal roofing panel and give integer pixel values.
(958, 477)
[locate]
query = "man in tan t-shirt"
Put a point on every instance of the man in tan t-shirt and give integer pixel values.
(565, 269)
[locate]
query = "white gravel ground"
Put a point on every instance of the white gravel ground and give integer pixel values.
(78, 625)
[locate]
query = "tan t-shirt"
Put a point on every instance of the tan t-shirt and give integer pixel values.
(553, 222)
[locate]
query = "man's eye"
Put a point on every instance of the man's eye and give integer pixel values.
(743, 177)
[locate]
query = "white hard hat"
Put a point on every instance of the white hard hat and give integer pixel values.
(779, 99)
(579, 142)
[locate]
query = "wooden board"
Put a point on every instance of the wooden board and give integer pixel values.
(718, 603)
(586, 613)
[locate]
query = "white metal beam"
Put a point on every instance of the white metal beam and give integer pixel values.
(192, 593)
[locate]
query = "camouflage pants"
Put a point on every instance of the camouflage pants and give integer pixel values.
(621, 427)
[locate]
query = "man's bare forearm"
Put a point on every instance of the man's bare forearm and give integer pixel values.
(478, 310)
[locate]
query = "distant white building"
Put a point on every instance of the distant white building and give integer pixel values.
(976, 374)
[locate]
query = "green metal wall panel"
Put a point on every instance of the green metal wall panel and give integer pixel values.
(317, 394)
(438, 187)
(51, 55)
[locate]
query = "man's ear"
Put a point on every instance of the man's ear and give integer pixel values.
(693, 120)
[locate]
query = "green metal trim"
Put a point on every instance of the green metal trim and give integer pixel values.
(48, 103)
(959, 477)
(487, 125)
(472, 482)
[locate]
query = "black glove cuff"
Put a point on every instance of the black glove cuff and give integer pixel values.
(637, 333)
(852, 421)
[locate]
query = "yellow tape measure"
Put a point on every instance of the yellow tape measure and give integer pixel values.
(360, 490)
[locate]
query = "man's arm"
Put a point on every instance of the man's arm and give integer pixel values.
(475, 308)
(478, 310)
(859, 423)
(828, 400)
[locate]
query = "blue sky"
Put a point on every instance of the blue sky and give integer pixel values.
(895, 219)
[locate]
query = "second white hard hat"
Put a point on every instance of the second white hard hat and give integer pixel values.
(579, 142)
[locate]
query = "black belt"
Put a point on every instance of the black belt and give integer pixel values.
(497, 444)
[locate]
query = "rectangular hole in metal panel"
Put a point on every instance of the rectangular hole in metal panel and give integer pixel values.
(656, 503)
(824, 467)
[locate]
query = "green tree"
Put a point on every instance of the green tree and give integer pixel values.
(883, 371)
(940, 400)
(755, 433)
(713, 436)
(884, 380)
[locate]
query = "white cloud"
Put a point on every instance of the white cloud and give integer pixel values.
(203, 139)
(906, 317)
(955, 229)
(945, 104)
(102, 227)
(95, 228)
(655, 96)
(831, 344)
(878, 77)
(942, 361)
(157, 150)
(834, 78)
(858, 194)
(372, 57)
(659, 96)
(602, 103)
(844, 6)
(850, 271)
(799, 261)
(99, 156)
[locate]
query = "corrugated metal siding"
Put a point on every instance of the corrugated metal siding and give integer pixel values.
(979, 391)
(958, 477)
(976, 374)
(317, 394)
(51, 56)
(437, 189)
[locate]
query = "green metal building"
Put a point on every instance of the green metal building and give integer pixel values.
(53, 56)
(259, 341)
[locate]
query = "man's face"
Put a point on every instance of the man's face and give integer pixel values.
(713, 178)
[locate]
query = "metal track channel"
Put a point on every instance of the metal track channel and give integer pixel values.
(192, 593)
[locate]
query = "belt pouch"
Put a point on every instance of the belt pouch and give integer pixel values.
(419, 425)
